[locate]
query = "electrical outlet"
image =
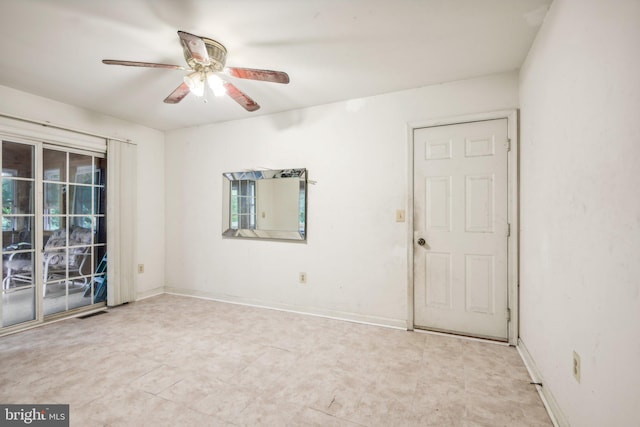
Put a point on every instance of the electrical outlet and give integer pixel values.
(140, 268)
(302, 278)
(576, 366)
(400, 215)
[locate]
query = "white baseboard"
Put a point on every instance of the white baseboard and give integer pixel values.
(555, 413)
(150, 293)
(312, 311)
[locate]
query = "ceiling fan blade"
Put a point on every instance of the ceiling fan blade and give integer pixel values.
(254, 74)
(141, 64)
(178, 94)
(240, 97)
(196, 47)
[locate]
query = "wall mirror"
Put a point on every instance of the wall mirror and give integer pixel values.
(265, 204)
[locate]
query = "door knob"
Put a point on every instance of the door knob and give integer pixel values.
(421, 241)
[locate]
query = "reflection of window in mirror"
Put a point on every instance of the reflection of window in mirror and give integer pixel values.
(243, 204)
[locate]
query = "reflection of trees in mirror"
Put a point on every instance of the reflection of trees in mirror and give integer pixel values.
(302, 208)
(288, 173)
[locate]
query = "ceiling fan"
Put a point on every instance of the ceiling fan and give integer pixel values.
(206, 61)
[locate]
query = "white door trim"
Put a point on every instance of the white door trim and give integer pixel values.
(513, 202)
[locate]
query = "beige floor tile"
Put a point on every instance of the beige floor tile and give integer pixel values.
(267, 412)
(224, 401)
(314, 418)
(158, 380)
(190, 389)
(491, 411)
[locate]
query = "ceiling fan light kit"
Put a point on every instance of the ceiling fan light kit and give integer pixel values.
(216, 84)
(206, 59)
(195, 81)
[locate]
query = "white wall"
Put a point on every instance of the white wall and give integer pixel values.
(580, 208)
(356, 254)
(150, 142)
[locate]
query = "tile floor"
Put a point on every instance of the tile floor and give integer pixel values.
(178, 361)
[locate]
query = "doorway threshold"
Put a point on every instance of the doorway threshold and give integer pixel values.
(453, 334)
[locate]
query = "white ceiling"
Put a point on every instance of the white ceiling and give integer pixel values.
(332, 49)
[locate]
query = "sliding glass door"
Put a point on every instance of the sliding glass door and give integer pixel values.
(74, 234)
(18, 225)
(54, 240)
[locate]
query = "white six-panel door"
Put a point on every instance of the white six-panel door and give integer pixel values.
(461, 228)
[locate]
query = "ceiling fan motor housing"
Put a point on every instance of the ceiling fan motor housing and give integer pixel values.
(217, 56)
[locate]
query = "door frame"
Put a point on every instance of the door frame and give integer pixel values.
(513, 260)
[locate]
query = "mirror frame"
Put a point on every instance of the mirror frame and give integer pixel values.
(248, 233)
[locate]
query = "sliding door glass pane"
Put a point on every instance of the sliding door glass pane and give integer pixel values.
(54, 165)
(17, 196)
(18, 235)
(74, 227)
(17, 159)
(80, 169)
(55, 200)
(18, 306)
(18, 217)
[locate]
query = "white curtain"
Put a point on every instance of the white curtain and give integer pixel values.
(121, 222)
